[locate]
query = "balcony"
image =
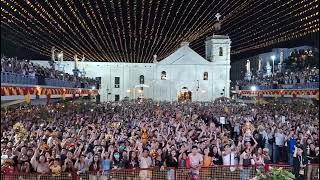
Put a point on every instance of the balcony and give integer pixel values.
(14, 78)
(310, 85)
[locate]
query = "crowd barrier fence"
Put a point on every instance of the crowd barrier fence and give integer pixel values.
(14, 78)
(206, 173)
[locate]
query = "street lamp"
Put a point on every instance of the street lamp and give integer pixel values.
(273, 57)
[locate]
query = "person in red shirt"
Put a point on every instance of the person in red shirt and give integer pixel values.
(8, 170)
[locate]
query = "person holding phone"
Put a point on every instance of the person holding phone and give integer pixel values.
(299, 163)
(196, 161)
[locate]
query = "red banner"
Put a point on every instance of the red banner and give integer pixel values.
(38, 90)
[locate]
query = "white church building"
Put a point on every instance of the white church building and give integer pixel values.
(182, 75)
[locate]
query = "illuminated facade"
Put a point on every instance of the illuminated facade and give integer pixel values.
(184, 75)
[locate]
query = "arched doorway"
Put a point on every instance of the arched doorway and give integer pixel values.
(184, 94)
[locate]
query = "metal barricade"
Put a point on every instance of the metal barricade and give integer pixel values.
(58, 83)
(205, 173)
(13, 78)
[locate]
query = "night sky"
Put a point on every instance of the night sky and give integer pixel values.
(134, 30)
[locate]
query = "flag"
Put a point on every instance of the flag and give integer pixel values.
(27, 98)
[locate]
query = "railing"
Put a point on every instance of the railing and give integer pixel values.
(206, 173)
(310, 85)
(14, 78)
(60, 83)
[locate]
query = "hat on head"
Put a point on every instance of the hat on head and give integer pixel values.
(8, 161)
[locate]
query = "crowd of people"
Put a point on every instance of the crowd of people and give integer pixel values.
(84, 137)
(287, 77)
(27, 68)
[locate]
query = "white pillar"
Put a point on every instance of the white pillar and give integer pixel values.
(248, 71)
(259, 65)
(75, 57)
(248, 66)
(272, 66)
(52, 53)
(273, 57)
(281, 56)
(268, 67)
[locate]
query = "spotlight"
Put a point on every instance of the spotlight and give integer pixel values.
(253, 88)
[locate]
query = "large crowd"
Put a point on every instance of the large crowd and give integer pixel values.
(84, 137)
(27, 68)
(292, 76)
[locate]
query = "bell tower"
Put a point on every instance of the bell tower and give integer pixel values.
(218, 48)
(218, 53)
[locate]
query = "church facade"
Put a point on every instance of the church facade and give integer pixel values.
(184, 75)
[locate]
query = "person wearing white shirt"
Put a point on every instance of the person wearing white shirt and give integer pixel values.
(229, 157)
(279, 148)
(269, 141)
(145, 162)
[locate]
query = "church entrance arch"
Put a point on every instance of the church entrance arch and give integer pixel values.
(184, 95)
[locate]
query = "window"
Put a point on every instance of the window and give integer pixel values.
(98, 79)
(163, 75)
(117, 82)
(220, 51)
(205, 76)
(141, 79)
(116, 97)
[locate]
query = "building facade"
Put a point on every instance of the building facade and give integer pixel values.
(182, 75)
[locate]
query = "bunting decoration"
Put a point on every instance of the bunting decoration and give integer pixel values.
(28, 91)
(313, 93)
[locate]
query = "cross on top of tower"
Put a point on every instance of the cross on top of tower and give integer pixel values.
(218, 15)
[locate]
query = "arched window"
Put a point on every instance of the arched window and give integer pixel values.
(220, 51)
(141, 79)
(205, 76)
(163, 75)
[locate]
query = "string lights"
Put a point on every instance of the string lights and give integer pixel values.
(134, 30)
